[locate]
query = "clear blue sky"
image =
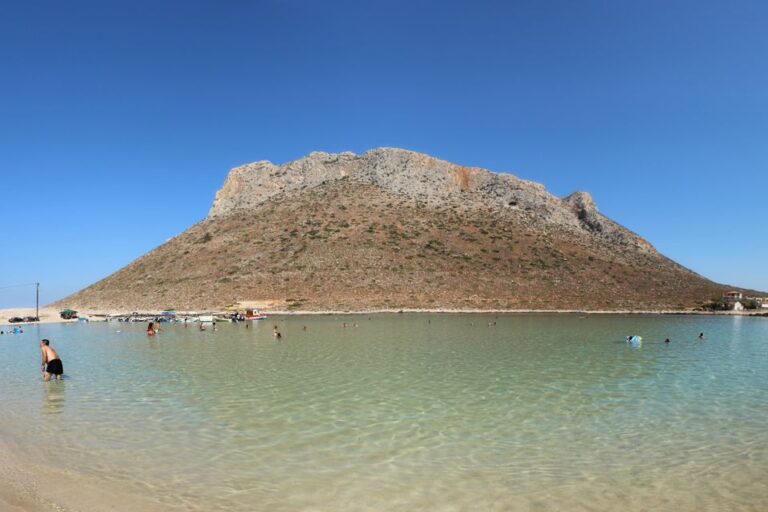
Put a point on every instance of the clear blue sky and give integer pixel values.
(120, 120)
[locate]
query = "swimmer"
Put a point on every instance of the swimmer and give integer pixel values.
(151, 329)
(51, 364)
(666, 340)
(701, 335)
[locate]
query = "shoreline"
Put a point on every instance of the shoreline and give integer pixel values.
(519, 311)
(51, 315)
(48, 315)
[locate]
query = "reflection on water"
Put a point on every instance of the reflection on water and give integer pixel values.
(407, 412)
(54, 392)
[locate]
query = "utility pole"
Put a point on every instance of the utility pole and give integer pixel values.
(37, 300)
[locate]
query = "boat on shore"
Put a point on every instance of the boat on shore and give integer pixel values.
(254, 314)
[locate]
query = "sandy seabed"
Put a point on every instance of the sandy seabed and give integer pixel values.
(28, 487)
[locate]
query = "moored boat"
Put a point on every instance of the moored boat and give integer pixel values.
(254, 314)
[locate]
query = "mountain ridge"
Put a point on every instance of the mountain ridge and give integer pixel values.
(392, 228)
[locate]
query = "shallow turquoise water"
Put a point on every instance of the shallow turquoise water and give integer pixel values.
(405, 412)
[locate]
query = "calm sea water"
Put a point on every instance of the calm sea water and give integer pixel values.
(405, 412)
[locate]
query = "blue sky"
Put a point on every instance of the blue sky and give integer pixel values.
(120, 120)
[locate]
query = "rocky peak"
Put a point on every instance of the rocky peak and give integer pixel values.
(583, 207)
(421, 177)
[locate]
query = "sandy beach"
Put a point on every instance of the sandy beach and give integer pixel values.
(47, 315)
(51, 315)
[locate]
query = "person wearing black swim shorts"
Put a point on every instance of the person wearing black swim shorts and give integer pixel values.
(51, 365)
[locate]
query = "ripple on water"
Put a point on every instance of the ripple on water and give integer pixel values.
(538, 413)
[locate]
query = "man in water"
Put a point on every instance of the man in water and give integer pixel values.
(51, 364)
(701, 335)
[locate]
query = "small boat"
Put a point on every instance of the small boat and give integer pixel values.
(206, 318)
(254, 314)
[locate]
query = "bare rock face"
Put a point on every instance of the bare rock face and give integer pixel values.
(252, 184)
(422, 177)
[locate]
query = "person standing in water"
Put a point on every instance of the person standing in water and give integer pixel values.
(51, 364)
(151, 329)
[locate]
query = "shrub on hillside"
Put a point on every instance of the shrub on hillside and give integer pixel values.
(717, 305)
(750, 304)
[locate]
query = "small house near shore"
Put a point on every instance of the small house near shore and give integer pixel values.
(736, 301)
(733, 300)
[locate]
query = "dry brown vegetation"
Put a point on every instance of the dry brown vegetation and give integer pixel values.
(352, 246)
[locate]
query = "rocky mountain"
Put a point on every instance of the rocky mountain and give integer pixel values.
(391, 229)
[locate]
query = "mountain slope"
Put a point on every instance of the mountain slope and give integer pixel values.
(397, 229)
